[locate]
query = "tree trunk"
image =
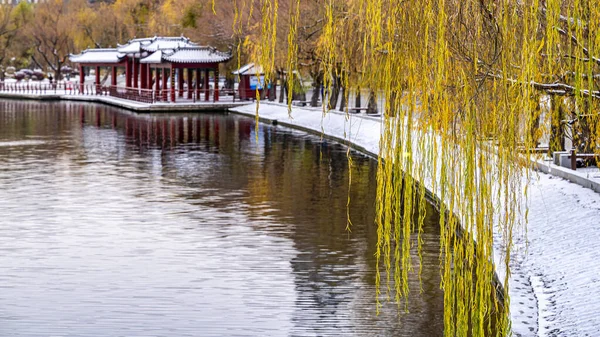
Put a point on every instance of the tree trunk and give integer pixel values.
(335, 93)
(344, 98)
(281, 86)
(372, 105)
(390, 107)
(273, 91)
(357, 100)
(317, 83)
(534, 124)
(557, 130)
(230, 83)
(298, 93)
(585, 127)
(59, 66)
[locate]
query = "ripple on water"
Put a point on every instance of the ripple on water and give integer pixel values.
(18, 143)
(185, 225)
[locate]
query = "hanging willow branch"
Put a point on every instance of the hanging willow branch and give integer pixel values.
(462, 83)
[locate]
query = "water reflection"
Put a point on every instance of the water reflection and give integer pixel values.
(154, 225)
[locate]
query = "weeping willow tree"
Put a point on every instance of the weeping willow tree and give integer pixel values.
(465, 86)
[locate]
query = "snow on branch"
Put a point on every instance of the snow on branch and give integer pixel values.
(549, 88)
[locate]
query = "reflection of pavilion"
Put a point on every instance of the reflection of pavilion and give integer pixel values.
(156, 69)
(166, 131)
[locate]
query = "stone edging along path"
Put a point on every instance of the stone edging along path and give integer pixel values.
(568, 174)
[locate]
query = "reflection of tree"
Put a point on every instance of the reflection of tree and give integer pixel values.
(289, 184)
(300, 183)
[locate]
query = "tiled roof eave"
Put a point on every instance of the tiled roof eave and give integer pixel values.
(97, 56)
(197, 61)
(96, 61)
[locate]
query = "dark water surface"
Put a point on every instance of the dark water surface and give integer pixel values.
(115, 224)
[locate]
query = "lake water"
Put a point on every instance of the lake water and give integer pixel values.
(116, 224)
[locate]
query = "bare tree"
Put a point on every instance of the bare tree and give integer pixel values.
(52, 31)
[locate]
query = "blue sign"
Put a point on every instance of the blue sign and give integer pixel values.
(254, 82)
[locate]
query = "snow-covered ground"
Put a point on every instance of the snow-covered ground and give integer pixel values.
(591, 172)
(555, 281)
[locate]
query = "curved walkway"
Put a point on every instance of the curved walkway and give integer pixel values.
(56, 95)
(555, 280)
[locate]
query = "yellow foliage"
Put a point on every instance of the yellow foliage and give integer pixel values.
(462, 84)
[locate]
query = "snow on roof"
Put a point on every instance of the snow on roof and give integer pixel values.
(132, 47)
(143, 39)
(100, 55)
(155, 57)
(161, 43)
(152, 44)
(161, 49)
(196, 55)
(249, 69)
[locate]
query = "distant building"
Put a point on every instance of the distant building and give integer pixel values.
(252, 78)
(14, 2)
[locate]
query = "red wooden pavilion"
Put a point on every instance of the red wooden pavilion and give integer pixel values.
(155, 68)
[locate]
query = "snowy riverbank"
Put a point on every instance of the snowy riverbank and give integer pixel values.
(555, 281)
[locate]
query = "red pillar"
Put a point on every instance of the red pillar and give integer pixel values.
(180, 72)
(157, 84)
(197, 84)
(113, 76)
(97, 81)
(172, 82)
(149, 77)
(206, 88)
(81, 78)
(189, 82)
(164, 84)
(128, 73)
(216, 93)
(136, 71)
(143, 76)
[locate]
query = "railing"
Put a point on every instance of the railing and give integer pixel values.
(195, 95)
(53, 88)
(133, 94)
(27, 88)
(585, 159)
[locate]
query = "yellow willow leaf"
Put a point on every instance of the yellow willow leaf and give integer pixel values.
(459, 85)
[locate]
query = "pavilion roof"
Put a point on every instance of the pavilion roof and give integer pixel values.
(98, 55)
(153, 44)
(166, 43)
(195, 54)
(130, 48)
(249, 69)
(155, 57)
(155, 50)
